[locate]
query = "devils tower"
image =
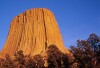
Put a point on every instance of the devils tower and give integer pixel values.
(32, 32)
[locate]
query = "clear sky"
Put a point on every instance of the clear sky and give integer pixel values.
(76, 18)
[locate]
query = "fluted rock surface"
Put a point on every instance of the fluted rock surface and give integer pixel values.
(32, 32)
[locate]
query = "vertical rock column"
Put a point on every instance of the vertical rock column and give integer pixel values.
(32, 32)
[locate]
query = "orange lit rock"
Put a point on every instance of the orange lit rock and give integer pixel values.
(32, 32)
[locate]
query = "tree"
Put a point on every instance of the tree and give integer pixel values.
(52, 61)
(19, 59)
(94, 41)
(7, 62)
(29, 62)
(1, 62)
(56, 58)
(83, 54)
(39, 62)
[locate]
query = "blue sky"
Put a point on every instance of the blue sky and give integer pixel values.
(76, 18)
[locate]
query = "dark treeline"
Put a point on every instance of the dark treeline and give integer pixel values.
(87, 52)
(54, 59)
(86, 55)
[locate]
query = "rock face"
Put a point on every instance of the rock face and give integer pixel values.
(32, 32)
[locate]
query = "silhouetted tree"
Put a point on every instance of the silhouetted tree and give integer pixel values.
(52, 61)
(83, 54)
(56, 58)
(29, 62)
(94, 41)
(7, 62)
(1, 61)
(39, 62)
(19, 59)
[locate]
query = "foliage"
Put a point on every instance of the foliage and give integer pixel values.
(56, 58)
(19, 59)
(83, 54)
(94, 41)
(87, 52)
(7, 62)
(39, 61)
(29, 62)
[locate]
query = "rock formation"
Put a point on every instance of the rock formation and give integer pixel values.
(32, 32)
